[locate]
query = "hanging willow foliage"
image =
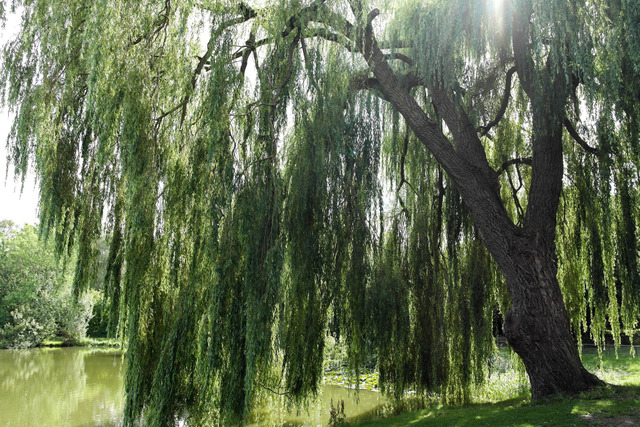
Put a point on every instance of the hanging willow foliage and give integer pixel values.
(261, 188)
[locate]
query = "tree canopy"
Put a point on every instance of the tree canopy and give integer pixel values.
(273, 172)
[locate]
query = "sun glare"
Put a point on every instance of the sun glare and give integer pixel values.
(495, 8)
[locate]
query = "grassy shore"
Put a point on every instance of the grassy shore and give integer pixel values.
(86, 342)
(617, 404)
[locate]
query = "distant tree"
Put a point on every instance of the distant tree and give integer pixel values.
(28, 283)
(268, 171)
(35, 292)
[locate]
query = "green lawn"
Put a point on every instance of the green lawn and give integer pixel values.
(614, 405)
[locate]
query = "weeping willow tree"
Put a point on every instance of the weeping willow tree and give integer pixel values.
(391, 173)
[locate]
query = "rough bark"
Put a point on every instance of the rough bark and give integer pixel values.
(537, 325)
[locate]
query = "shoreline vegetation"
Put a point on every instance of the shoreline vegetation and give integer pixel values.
(84, 342)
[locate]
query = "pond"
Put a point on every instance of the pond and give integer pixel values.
(61, 387)
(84, 387)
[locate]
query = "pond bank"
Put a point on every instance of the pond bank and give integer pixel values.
(59, 342)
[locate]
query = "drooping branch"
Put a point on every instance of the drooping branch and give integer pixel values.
(483, 130)
(309, 67)
(576, 136)
(277, 91)
(160, 23)
(278, 393)
(247, 14)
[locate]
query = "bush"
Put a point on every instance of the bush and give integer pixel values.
(27, 327)
(75, 317)
(36, 301)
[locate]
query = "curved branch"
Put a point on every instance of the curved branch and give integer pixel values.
(400, 57)
(346, 43)
(516, 161)
(483, 130)
(372, 15)
(581, 142)
(272, 390)
(330, 36)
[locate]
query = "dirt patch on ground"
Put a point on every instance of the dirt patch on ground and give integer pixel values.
(622, 420)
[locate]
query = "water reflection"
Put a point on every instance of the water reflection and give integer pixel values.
(84, 387)
(318, 414)
(62, 386)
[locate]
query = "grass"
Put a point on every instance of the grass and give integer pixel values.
(616, 404)
(86, 342)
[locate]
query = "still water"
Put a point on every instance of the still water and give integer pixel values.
(61, 387)
(84, 387)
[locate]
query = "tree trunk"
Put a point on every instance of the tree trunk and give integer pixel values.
(537, 324)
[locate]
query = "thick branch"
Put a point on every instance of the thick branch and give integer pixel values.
(581, 142)
(548, 90)
(330, 36)
(521, 48)
(467, 143)
(400, 57)
(362, 81)
(516, 161)
(503, 105)
(425, 129)
(250, 47)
